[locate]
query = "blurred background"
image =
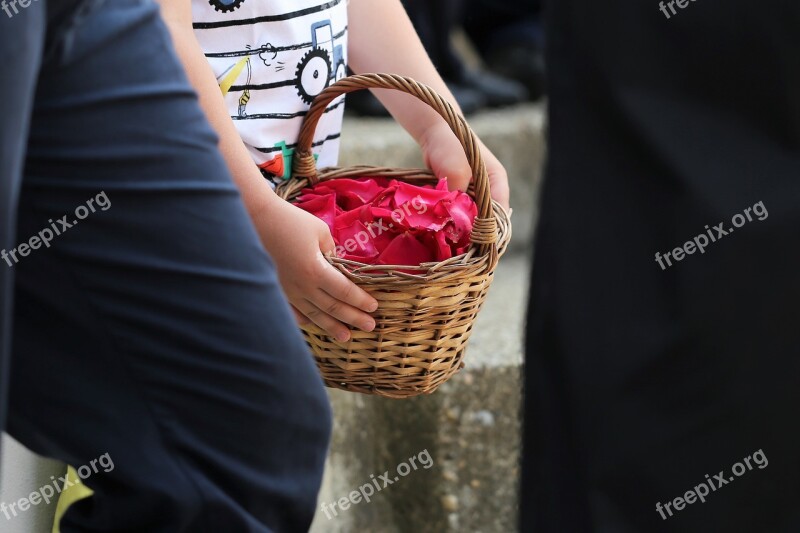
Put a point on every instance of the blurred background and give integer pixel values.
(490, 53)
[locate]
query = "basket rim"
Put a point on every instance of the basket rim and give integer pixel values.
(290, 189)
(304, 164)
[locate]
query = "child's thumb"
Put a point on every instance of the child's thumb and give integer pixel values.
(454, 167)
(326, 243)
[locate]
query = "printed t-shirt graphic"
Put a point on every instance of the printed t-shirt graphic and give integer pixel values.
(271, 58)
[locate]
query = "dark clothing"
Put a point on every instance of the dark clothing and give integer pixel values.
(153, 330)
(494, 24)
(640, 381)
(21, 47)
(435, 22)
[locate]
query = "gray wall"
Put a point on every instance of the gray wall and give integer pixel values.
(21, 473)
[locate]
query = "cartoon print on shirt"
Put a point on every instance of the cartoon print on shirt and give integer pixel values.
(323, 37)
(268, 54)
(226, 6)
(280, 165)
(323, 64)
(270, 80)
(246, 93)
(320, 65)
(313, 74)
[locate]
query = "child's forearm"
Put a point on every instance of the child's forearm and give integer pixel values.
(380, 46)
(255, 190)
(382, 39)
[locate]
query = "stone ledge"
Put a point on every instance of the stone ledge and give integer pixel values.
(24, 472)
(470, 427)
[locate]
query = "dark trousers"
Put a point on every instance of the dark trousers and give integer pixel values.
(151, 327)
(21, 46)
(645, 380)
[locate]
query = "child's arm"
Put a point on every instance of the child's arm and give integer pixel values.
(293, 237)
(382, 39)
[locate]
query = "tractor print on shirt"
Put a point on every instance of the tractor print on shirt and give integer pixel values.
(226, 6)
(276, 81)
(322, 64)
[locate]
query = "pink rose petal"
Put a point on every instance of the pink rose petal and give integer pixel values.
(437, 241)
(323, 207)
(405, 249)
(426, 195)
(387, 221)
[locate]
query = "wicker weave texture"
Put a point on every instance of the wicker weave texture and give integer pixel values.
(425, 313)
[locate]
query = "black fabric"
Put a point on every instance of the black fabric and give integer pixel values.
(642, 380)
(495, 23)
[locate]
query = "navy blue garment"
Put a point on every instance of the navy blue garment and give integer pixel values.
(646, 376)
(153, 328)
(21, 47)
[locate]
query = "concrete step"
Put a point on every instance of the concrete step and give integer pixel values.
(514, 134)
(469, 428)
(22, 473)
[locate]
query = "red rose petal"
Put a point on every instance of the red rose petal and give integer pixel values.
(405, 249)
(386, 222)
(462, 210)
(437, 241)
(426, 195)
(348, 218)
(323, 207)
(355, 243)
(386, 198)
(417, 215)
(306, 195)
(350, 193)
(361, 235)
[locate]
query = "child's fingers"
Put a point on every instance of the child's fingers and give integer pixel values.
(332, 327)
(498, 182)
(445, 156)
(341, 310)
(332, 315)
(326, 243)
(498, 178)
(454, 167)
(341, 289)
(301, 319)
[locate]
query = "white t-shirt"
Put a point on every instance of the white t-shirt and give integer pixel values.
(271, 58)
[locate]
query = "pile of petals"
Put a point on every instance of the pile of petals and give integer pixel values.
(379, 221)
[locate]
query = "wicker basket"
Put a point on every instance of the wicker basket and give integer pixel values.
(424, 319)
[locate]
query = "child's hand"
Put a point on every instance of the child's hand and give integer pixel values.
(445, 156)
(317, 291)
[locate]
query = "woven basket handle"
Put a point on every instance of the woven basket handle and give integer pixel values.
(484, 233)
